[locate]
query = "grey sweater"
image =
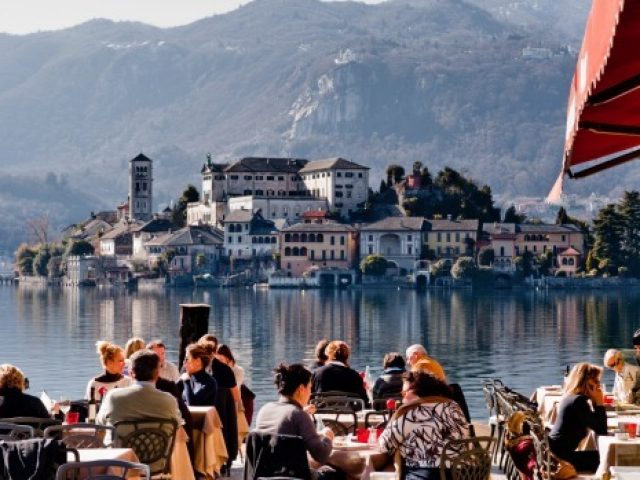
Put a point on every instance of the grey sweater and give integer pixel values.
(286, 417)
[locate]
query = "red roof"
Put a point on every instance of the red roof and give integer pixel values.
(571, 252)
(314, 214)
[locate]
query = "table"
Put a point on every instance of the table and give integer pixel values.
(347, 418)
(357, 460)
(616, 452)
(91, 454)
(208, 442)
(547, 398)
(181, 467)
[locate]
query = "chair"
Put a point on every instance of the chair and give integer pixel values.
(270, 455)
(151, 439)
(32, 458)
(95, 470)
(11, 431)
(81, 435)
(338, 404)
(38, 424)
(466, 459)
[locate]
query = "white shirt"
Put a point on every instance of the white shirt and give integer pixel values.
(626, 381)
(169, 371)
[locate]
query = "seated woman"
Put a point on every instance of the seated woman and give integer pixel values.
(420, 428)
(287, 415)
(336, 375)
(112, 359)
(132, 346)
(581, 409)
(198, 387)
(389, 384)
(13, 401)
(627, 379)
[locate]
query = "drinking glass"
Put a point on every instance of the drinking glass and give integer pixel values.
(65, 405)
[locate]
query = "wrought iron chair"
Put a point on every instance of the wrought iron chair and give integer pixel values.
(339, 404)
(12, 431)
(95, 470)
(151, 439)
(466, 459)
(82, 435)
(38, 424)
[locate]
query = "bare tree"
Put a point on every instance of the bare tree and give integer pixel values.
(39, 229)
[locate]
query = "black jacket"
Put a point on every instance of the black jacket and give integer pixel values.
(33, 459)
(15, 403)
(200, 390)
(270, 455)
(334, 377)
(389, 384)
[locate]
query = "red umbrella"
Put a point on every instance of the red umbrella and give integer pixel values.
(603, 114)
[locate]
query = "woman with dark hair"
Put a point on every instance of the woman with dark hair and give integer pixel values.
(287, 415)
(389, 384)
(581, 409)
(198, 387)
(336, 375)
(420, 428)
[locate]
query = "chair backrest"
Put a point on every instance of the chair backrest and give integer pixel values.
(458, 396)
(151, 439)
(466, 459)
(102, 470)
(38, 424)
(272, 455)
(82, 435)
(32, 458)
(335, 400)
(12, 431)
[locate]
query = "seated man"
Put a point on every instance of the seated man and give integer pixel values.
(140, 400)
(627, 380)
(168, 370)
(419, 360)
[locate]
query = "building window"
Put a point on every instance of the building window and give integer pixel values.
(409, 249)
(239, 238)
(409, 238)
(370, 249)
(564, 238)
(312, 254)
(371, 238)
(341, 254)
(341, 239)
(448, 237)
(439, 237)
(457, 237)
(359, 174)
(287, 251)
(234, 177)
(259, 177)
(230, 239)
(333, 255)
(248, 192)
(248, 177)
(338, 174)
(324, 254)
(260, 192)
(332, 241)
(280, 178)
(270, 177)
(338, 194)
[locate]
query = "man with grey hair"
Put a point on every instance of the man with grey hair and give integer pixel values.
(140, 400)
(419, 360)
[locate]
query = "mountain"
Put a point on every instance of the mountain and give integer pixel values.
(480, 85)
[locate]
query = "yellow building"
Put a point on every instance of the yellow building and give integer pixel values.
(452, 238)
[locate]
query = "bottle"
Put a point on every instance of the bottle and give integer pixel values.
(319, 424)
(91, 407)
(373, 437)
(368, 383)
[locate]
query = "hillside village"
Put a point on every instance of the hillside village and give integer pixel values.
(296, 222)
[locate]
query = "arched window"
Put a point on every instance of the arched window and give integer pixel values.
(320, 238)
(260, 240)
(273, 240)
(287, 237)
(296, 237)
(303, 251)
(303, 237)
(254, 239)
(571, 261)
(296, 252)
(564, 261)
(312, 237)
(232, 227)
(287, 251)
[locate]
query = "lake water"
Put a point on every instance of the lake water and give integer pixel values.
(525, 338)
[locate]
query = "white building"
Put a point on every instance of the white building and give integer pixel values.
(344, 184)
(398, 239)
(248, 235)
(290, 208)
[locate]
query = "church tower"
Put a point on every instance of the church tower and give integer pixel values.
(141, 188)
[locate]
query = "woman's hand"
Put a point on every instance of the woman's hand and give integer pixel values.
(327, 432)
(597, 395)
(310, 409)
(185, 376)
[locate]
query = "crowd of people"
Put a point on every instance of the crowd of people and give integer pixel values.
(138, 381)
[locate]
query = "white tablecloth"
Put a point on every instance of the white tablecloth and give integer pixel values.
(91, 454)
(209, 447)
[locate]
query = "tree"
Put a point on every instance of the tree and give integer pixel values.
(524, 263)
(609, 227)
(562, 218)
(545, 262)
(383, 186)
(416, 168)
(375, 265)
(40, 262)
(54, 267)
(78, 247)
(24, 259)
(179, 212)
(590, 262)
(395, 174)
(39, 229)
(486, 257)
(629, 209)
(464, 267)
(512, 216)
(442, 268)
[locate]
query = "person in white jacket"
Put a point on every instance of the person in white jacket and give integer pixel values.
(626, 387)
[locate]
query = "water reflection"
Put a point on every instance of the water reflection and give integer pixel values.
(526, 338)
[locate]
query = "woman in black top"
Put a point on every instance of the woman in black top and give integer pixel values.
(13, 401)
(389, 384)
(198, 387)
(581, 409)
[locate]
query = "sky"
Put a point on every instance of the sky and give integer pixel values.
(28, 16)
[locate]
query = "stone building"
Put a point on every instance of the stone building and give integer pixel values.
(140, 188)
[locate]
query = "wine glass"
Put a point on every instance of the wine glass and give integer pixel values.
(65, 405)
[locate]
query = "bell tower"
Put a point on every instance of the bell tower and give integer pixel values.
(141, 188)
